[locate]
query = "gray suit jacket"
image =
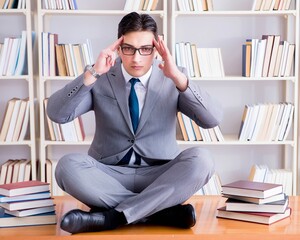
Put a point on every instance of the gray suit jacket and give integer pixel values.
(155, 138)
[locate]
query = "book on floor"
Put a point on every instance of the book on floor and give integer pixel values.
(240, 206)
(27, 204)
(25, 197)
(274, 198)
(41, 219)
(31, 211)
(26, 187)
(252, 189)
(255, 217)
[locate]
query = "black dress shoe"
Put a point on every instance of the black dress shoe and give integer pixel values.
(182, 216)
(77, 221)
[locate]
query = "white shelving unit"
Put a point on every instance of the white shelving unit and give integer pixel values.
(13, 22)
(228, 29)
(98, 21)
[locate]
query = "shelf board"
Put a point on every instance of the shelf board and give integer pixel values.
(240, 78)
(25, 142)
(236, 13)
(13, 11)
(20, 77)
(95, 12)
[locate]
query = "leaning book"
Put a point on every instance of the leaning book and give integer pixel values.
(255, 217)
(41, 219)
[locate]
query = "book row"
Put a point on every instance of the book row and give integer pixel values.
(199, 62)
(26, 203)
(15, 122)
(60, 4)
(15, 170)
(212, 187)
(190, 131)
(267, 57)
(12, 4)
(270, 5)
(13, 55)
(266, 122)
(64, 59)
(140, 5)
(195, 5)
(256, 202)
(72, 131)
(262, 173)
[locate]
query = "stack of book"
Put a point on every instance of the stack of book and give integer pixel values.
(26, 203)
(256, 202)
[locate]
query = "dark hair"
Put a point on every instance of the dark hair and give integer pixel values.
(137, 22)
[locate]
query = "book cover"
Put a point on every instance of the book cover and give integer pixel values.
(11, 206)
(241, 206)
(26, 187)
(252, 189)
(41, 219)
(255, 217)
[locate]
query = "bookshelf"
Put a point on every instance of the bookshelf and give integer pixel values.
(19, 86)
(101, 16)
(227, 27)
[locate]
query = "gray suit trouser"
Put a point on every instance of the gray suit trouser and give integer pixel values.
(137, 192)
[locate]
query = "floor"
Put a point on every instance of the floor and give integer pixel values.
(207, 226)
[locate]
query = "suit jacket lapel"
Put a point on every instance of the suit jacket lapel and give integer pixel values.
(117, 82)
(154, 90)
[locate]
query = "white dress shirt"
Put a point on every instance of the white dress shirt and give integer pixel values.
(141, 90)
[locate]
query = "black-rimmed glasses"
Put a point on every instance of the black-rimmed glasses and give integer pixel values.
(130, 51)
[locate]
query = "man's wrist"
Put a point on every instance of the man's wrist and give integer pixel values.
(92, 71)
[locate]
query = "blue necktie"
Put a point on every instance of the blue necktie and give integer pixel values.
(134, 104)
(134, 114)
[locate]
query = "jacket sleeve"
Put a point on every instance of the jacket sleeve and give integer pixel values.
(70, 102)
(197, 104)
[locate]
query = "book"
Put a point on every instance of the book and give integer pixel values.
(252, 189)
(41, 219)
(26, 187)
(241, 206)
(274, 198)
(11, 206)
(34, 196)
(256, 217)
(31, 211)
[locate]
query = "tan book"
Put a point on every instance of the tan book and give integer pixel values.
(274, 55)
(9, 172)
(53, 40)
(7, 118)
(197, 131)
(69, 59)
(268, 53)
(278, 59)
(80, 133)
(182, 127)
(16, 169)
(3, 172)
(27, 174)
(22, 167)
(248, 59)
(195, 60)
(20, 119)
(49, 122)
(60, 60)
(79, 65)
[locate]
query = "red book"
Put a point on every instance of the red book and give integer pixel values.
(20, 188)
(252, 189)
(256, 217)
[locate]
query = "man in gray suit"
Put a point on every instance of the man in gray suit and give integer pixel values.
(134, 170)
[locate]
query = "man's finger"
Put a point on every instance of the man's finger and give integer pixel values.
(116, 44)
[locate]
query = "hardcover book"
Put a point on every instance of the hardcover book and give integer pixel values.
(26, 187)
(256, 217)
(252, 189)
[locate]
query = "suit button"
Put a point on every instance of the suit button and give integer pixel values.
(132, 140)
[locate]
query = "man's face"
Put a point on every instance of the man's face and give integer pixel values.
(137, 65)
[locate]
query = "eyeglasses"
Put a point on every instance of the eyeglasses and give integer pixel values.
(130, 51)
